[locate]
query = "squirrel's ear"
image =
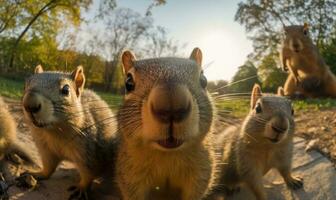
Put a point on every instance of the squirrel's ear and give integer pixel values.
(79, 78)
(256, 94)
(196, 55)
(305, 26)
(127, 59)
(38, 69)
(281, 91)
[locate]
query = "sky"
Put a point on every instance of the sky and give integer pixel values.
(207, 24)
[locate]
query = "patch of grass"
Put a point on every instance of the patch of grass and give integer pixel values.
(14, 89)
(112, 100)
(11, 88)
(237, 108)
(314, 104)
(240, 107)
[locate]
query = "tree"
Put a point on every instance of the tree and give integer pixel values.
(218, 87)
(263, 20)
(158, 44)
(270, 75)
(123, 28)
(245, 78)
(8, 13)
(329, 53)
(27, 13)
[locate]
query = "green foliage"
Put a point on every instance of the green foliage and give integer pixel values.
(329, 53)
(219, 87)
(245, 78)
(270, 75)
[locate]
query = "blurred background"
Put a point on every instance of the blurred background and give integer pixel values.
(239, 39)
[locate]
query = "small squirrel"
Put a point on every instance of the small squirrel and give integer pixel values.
(8, 141)
(165, 124)
(69, 123)
(309, 75)
(262, 142)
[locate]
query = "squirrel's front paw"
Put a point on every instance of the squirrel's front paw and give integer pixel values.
(295, 183)
(78, 193)
(27, 180)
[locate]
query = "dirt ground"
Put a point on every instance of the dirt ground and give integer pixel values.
(319, 129)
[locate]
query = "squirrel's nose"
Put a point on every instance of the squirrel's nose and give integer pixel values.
(170, 103)
(279, 124)
(296, 46)
(31, 103)
(278, 129)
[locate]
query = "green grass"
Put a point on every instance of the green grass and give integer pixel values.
(14, 89)
(237, 107)
(112, 100)
(240, 107)
(11, 88)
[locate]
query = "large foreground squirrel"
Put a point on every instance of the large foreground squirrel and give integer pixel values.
(263, 141)
(69, 123)
(166, 126)
(309, 75)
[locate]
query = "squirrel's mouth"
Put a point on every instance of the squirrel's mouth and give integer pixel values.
(37, 123)
(274, 140)
(170, 143)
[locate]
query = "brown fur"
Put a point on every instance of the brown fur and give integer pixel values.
(78, 127)
(247, 151)
(309, 75)
(8, 143)
(146, 170)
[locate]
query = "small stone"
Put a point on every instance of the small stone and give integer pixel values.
(312, 130)
(325, 150)
(325, 118)
(312, 145)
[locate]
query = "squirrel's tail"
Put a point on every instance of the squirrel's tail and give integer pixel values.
(16, 149)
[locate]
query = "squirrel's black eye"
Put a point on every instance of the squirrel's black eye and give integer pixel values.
(66, 90)
(292, 111)
(129, 83)
(203, 80)
(258, 108)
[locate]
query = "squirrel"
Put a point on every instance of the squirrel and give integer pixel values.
(309, 75)
(166, 126)
(69, 123)
(263, 141)
(8, 141)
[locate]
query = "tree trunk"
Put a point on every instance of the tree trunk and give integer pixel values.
(44, 9)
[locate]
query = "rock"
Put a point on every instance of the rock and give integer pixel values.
(323, 128)
(312, 145)
(312, 130)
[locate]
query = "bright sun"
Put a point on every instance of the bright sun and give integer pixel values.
(223, 53)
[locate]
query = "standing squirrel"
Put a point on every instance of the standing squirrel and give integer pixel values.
(165, 124)
(8, 143)
(262, 142)
(69, 123)
(309, 75)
